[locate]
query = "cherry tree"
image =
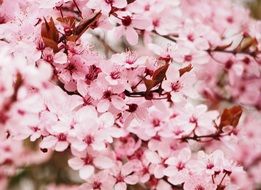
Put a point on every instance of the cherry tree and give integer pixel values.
(129, 94)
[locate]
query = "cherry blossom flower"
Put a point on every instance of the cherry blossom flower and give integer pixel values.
(177, 169)
(124, 175)
(106, 5)
(86, 162)
(128, 24)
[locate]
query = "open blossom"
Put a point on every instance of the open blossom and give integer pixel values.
(177, 170)
(124, 175)
(86, 162)
(199, 183)
(179, 86)
(128, 24)
(106, 5)
(101, 180)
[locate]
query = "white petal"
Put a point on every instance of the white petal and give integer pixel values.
(103, 162)
(48, 142)
(107, 119)
(76, 163)
(103, 106)
(61, 146)
(131, 36)
(86, 172)
(153, 157)
(120, 3)
(120, 186)
(60, 58)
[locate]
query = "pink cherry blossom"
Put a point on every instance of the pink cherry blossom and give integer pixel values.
(128, 24)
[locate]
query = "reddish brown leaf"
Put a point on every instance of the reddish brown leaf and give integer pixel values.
(183, 70)
(51, 44)
(149, 84)
(72, 38)
(84, 25)
(130, 1)
(230, 116)
(160, 73)
(246, 43)
(157, 77)
(50, 34)
(68, 21)
(223, 47)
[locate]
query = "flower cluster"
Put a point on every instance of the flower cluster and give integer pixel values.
(134, 94)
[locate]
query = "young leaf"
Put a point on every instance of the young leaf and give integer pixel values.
(223, 47)
(230, 116)
(160, 73)
(50, 34)
(84, 25)
(246, 43)
(67, 21)
(183, 70)
(157, 77)
(149, 84)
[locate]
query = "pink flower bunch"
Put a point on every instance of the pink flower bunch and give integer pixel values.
(153, 110)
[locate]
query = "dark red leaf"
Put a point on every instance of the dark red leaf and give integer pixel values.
(84, 25)
(50, 34)
(183, 70)
(230, 116)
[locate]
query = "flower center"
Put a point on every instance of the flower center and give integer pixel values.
(110, 2)
(96, 185)
(176, 86)
(107, 94)
(180, 166)
(188, 58)
(88, 160)
(88, 139)
(199, 187)
(126, 21)
(115, 75)
(156, 122)
(62, 137)
(132, 108)
(119, 178)
(210, 166)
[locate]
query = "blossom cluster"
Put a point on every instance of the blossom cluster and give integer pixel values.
(142, 94)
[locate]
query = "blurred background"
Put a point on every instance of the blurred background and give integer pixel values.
(255, 7)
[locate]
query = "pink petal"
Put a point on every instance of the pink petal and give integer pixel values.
(184, 155)
(173, 73)
(103, 162)
(76, 163)
(61, 146)
(48, 142)
(120, 186)
(132, 179)
(140, 23)
(152, 157)
(86, 172)
(170, 171)
(120, 3)
(163, 185)
(107, 119)
(118, 32)
(60, 58)
(79, 145)
(158, 171)
(131, 36)
(103, 105)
